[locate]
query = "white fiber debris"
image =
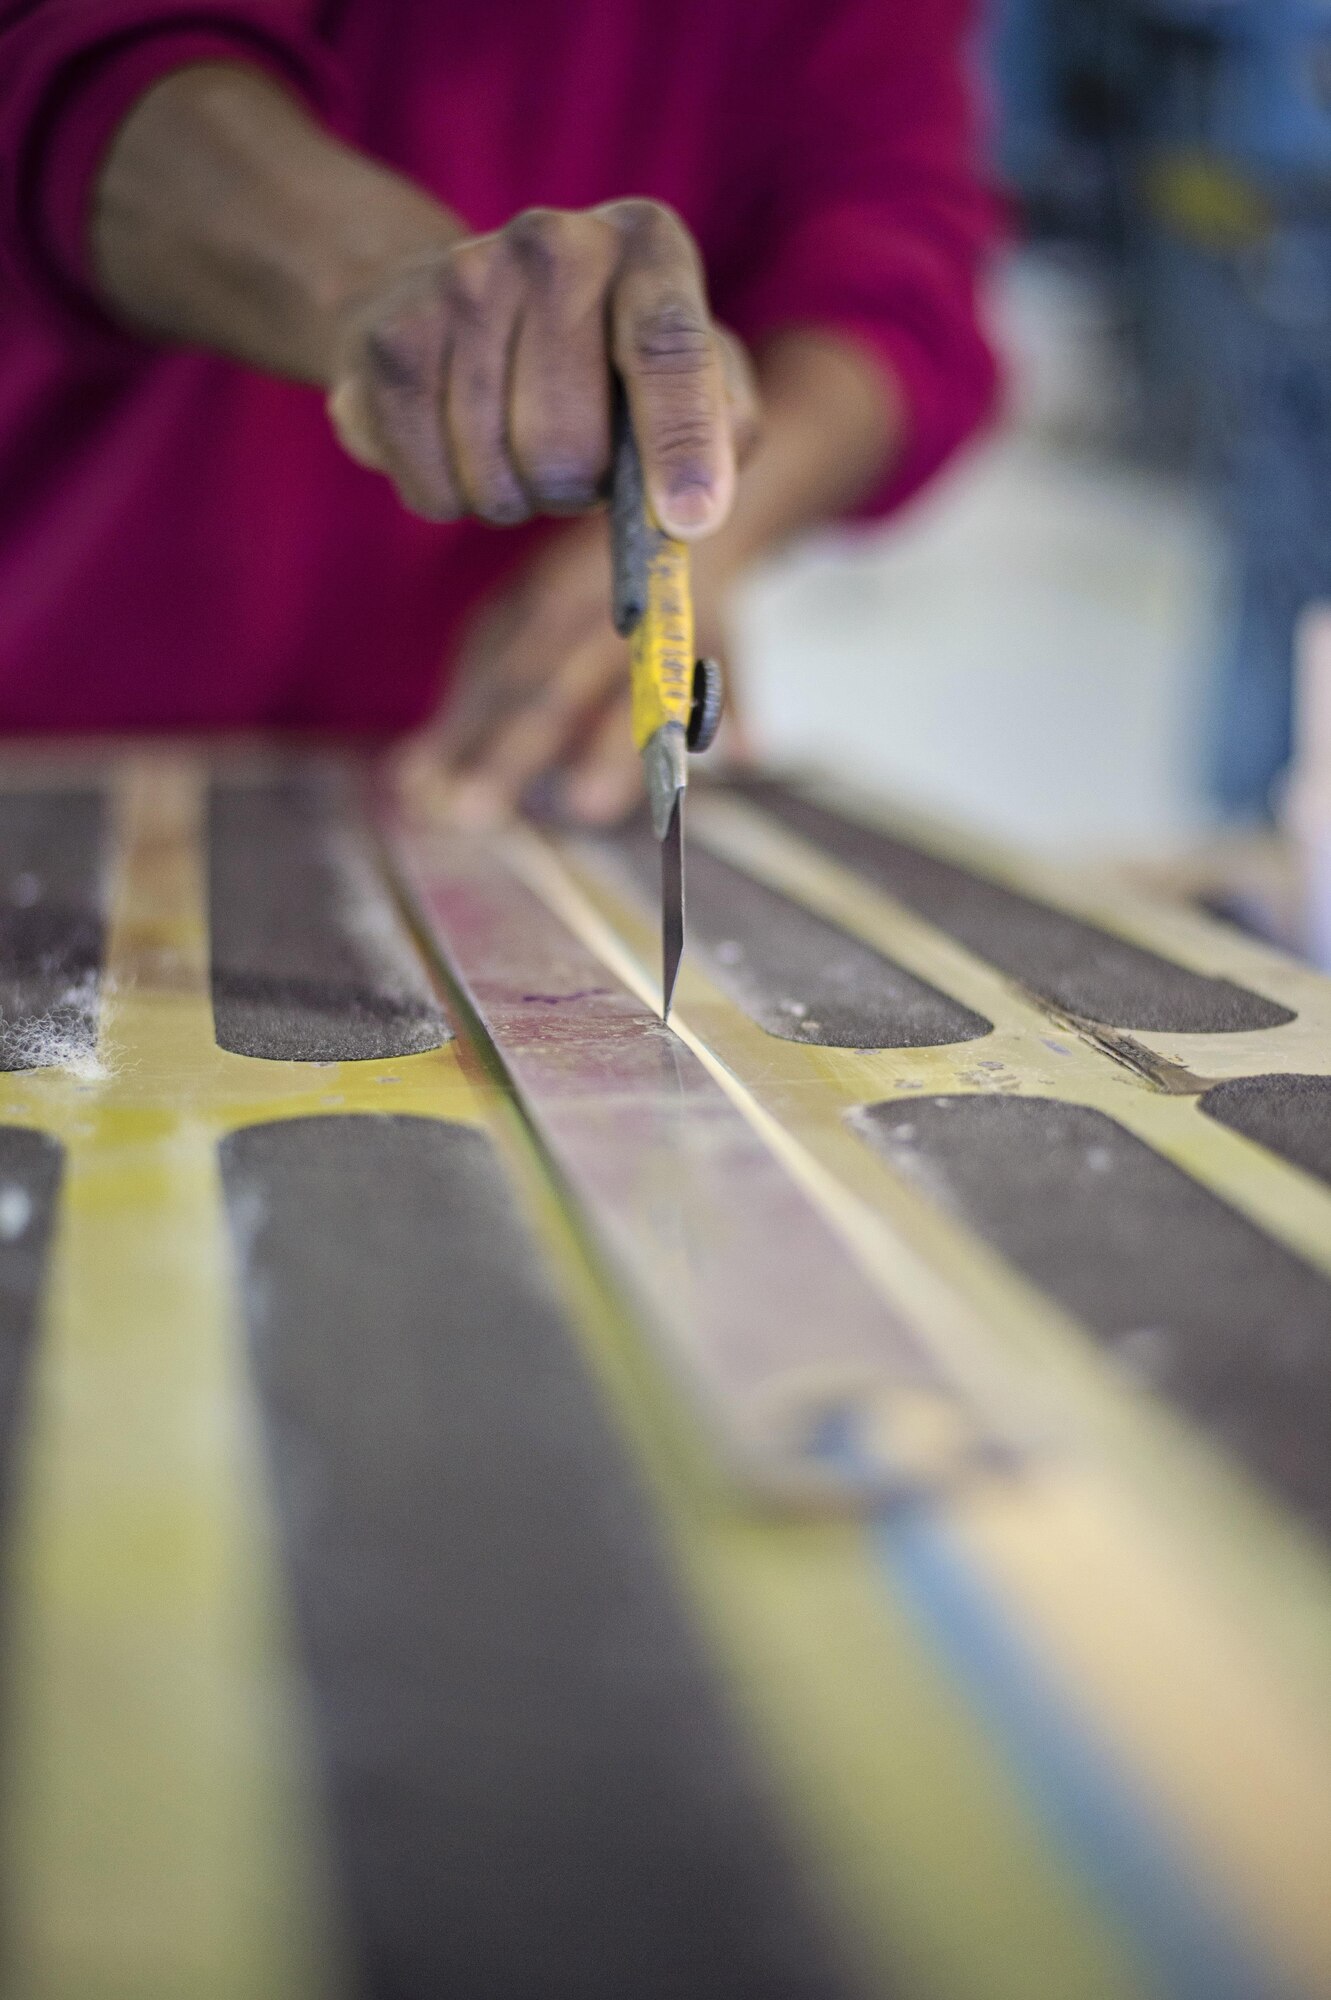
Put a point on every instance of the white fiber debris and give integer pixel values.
(64, 1037)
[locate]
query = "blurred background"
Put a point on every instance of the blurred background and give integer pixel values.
(1083, 638)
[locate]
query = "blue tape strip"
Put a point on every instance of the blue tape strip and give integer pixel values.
(1106, 1834)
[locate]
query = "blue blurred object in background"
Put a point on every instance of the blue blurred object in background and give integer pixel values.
(1188, 143)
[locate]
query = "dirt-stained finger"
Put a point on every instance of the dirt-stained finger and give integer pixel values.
(484, 308)
(385, 405)
(559, 391)
(664, 346)
(544, 733)
(604, 780)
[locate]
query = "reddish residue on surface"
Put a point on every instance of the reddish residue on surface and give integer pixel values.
(565, 999)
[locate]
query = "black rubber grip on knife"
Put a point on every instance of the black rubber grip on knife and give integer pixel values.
(628, 524)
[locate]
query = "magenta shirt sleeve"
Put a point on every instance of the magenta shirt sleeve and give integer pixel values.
(880, 221)
(69, 72)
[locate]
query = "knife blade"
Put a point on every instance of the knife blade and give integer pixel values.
(652, 607)
(672, 904)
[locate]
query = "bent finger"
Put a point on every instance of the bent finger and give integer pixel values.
(542, 734)
(559, 394)
(484, 304)
(604, 782)
(385, 409)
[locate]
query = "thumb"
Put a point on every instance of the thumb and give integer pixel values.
(353, 427)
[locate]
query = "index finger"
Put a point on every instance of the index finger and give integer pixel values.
(664, 345)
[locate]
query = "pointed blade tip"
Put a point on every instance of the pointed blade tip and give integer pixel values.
(672, 905)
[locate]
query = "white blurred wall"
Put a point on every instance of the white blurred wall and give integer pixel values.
(1026, 649)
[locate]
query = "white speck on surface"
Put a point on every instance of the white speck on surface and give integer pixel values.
(24, 890)
(728, 952)
(15, 1211)
(1099, 1159)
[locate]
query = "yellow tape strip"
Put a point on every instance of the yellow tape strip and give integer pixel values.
(1272, 1577)
(907, 1813)
(1140, 1565)
(160, 1835)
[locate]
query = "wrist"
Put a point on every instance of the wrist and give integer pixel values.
(225, 216)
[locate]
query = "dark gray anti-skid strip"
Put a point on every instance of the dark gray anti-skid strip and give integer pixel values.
(1192, 1298)
(52, 925)
(796, 974)
(1078, 967)
(30, 1166)
(311, 961)
(1289, 1115)
(537, 1789)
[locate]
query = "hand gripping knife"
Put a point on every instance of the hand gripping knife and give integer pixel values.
(677, 698)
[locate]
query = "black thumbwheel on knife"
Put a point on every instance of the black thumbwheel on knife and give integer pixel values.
(709, 699)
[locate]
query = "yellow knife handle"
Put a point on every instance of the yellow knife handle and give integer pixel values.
(650, 598)
(662, 653)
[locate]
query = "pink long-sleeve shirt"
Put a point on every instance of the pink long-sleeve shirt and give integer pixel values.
(183, 545)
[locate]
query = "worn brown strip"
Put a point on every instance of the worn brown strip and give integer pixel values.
(310, 959)
(747, 1290)
(794, 973)
(1074, 965)
(52, 926)
(1289, 1115)
(538, 1790)
(1188, 1295)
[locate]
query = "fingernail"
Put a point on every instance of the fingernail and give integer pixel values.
(689, 508)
